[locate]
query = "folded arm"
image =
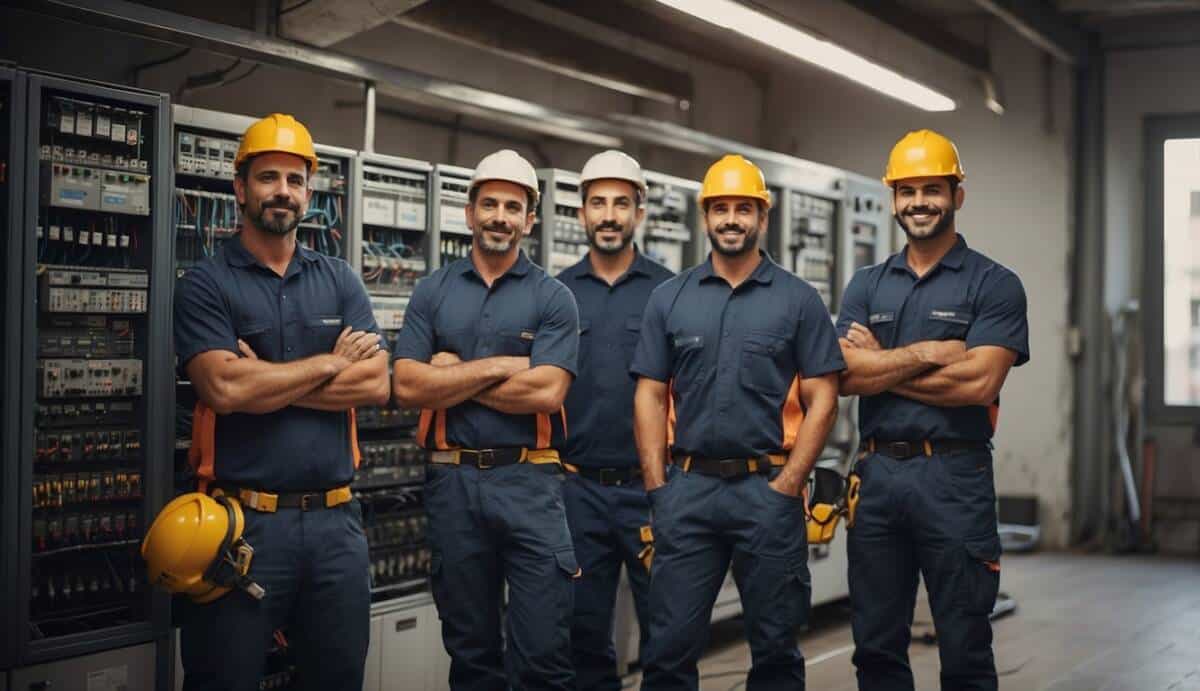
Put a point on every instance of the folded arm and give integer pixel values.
(975, 380)
(538, 389)
(228, 383)
(437, 387)
(363, 383)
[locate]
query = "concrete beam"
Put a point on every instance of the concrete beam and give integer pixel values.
(323, 23)
(928, 30)
(549, 47)
(1043, 26)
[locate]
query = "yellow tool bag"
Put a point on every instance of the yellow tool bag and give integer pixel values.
(830, 498)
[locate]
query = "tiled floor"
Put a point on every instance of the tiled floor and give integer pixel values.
(1083, 623)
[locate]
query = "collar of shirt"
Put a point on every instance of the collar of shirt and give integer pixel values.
(518, 269)
(952, 260)
(763, 274)
(237, 255)
(640, 266)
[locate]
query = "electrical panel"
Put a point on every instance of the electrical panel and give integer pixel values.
(557, 231)
(95, 267)
(672, 233)
(812, 241)
(449, 202)
(394, 248)
(865, 226)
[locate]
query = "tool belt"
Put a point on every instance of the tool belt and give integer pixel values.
(270, 502)
(729, 468)
(495, 458)
(904, 450)
(609, 477)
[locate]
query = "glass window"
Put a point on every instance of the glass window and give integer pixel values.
(1181, 271)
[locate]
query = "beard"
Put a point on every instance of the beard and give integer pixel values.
(749, 241)
(496, 246)
(609, 246)
(945, 220)
(266, 220)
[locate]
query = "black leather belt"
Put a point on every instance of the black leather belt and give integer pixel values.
(611, 477)
(269, 502)
(904, 450)
(727, 468)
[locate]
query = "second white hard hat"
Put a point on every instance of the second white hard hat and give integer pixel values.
(613, 165)
(509, 166)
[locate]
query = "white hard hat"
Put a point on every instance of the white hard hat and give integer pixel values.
(509, 166)
(613, 165)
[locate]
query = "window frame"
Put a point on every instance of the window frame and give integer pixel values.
(1158, 129)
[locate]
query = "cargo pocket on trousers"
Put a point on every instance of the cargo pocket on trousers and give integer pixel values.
(799, 582)
(979, 579)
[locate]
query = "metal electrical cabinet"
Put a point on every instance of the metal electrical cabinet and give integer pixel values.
(12, 169)
(94, 268)
(126, 669)
(558, 240)
(673, 232)
(447, 214)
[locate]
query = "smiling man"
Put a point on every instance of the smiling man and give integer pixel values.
(736, 347)
(281, 344)
(488, 350)
(929, 337)
(606, 502)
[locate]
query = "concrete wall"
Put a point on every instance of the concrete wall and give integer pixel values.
(1018, 201)
(1141, 83)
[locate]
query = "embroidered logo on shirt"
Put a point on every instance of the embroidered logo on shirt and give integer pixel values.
(527, 335)
(882, 317)
(332, 321)
(949, 316)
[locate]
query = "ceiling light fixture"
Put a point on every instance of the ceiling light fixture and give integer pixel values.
(820, 52)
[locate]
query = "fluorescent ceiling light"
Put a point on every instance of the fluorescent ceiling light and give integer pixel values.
(800, 44)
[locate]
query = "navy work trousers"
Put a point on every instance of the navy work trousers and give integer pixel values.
(606, 523)
(935, 515)
(488, 528)
(314, 568)
(701, 525)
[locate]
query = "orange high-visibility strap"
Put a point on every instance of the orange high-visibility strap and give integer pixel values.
(423, 428)
(543, 431)
(670, 413)
(354, 452)
(202, 454)
(440, 429)
(793, 415)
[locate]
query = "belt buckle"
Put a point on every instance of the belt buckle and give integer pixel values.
(902, 449)
(610, 476)
(729, 468)
(485, 459)
(304, 499)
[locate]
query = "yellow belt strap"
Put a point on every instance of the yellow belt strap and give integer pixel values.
(267, 502)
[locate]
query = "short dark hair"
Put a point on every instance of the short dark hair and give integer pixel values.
(473, 194)
(637, 191)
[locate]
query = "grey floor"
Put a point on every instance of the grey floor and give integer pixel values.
(1083, 623)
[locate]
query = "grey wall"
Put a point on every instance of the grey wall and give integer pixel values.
(1018, 164)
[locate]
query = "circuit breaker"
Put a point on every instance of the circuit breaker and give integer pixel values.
(673, 232)
(558, 240)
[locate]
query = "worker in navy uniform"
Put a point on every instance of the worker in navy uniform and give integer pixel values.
(606, 503)
(929, 337)
(742, 356)
(280, 343)
(488, 351)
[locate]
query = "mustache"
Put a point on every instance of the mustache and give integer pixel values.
(498, 226)
(922, 210)
(610, 225)
(733, 226)
(282, 204)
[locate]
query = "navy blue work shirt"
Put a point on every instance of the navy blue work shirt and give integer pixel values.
(524, 313)
(965, 296)
(600, 403)
(232, 295)
(733, 357)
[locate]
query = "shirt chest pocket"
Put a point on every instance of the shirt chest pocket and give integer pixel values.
(883, 327)
(515, 342)
(631, 334)
(261, 338)
(687, 361)
(319, 333)
(766, 363)
(947, 323)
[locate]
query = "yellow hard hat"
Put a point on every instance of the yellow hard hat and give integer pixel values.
(922, 154)
(195, 548)
(277, 133)
(734, 176)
